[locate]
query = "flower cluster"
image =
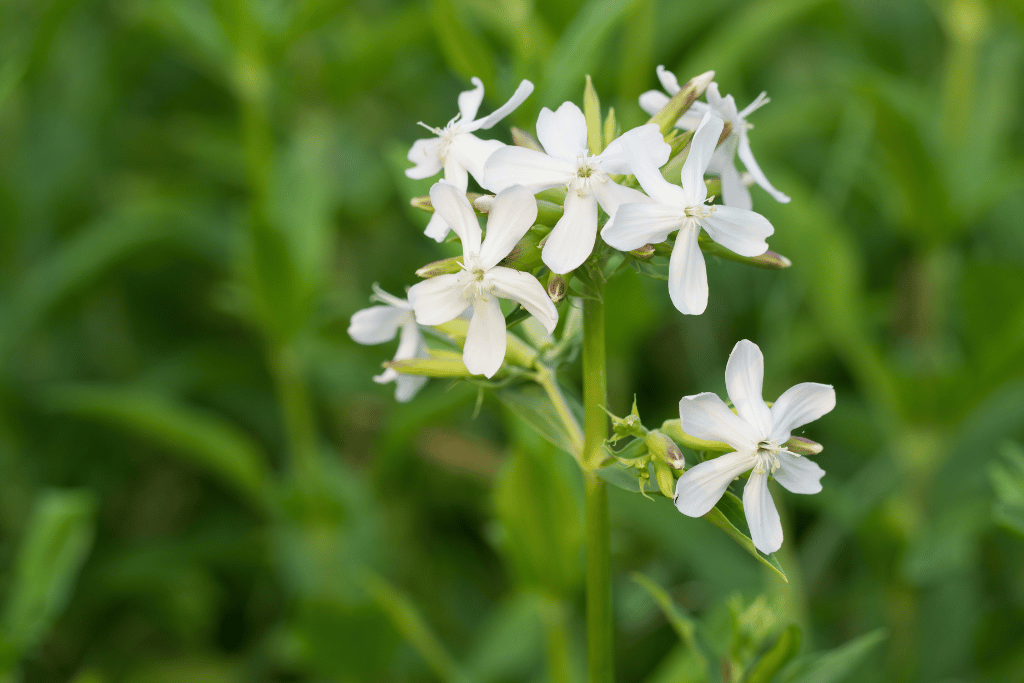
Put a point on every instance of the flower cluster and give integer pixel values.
(630, 178)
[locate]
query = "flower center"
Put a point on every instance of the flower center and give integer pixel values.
(701, 210)
(474, 283)
(767, 458)
(447, 135)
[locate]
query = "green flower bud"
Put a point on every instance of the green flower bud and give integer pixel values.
(422, 203)
(801, 446)
(592, 114)
(445, 266)
(430, 367)
(768, 260)
(665, 449)
(611, 127)
(557, 288)
(644, 253)
(681, 101)
(663, 475)
(672, 428)
(520, 138)
(526, 254)
(548, 213)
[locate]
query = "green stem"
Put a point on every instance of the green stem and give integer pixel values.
(596, 527)
(546, 378)
(556, 631)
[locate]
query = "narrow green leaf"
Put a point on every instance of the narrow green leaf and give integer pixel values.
(58, 540)
(533, 407)
(201, 438)
(717, 517)
(624, 477)
(834, 665)
(782, 651)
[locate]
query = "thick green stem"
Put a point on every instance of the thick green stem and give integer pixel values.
(596, 527)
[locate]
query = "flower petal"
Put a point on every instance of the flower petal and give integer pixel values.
(668, 80)
(705, 139)
(706, 416)
(738, 230)
(525, 290)
(734, 190)
(518, 97)
(438, 299)
(424, 153)
(744, 380)
(451, 203)
(693, 116)
(642, 165)
(702, 485)
(410, 344)
(533, 170)
(747, 157)
(469, 100)
(798, 474)
(563, 133)
(762, 517)
(375, 325)
(634, 225)
(653, 101)
(513, 212)
(610, 195)
(455, 173)
(437, 228)
(687, 274)
(799, 405)
(614, 158)
(572, 239)
(472, 153)
(406, 386)
(485, 339)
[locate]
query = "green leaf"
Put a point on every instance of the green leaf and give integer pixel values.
(782, 651)
(834, 665)
(532, 406)
(624, 477)
(729, 508)
(542, 521)
(58, 540)
(685, 627)
(199, 437)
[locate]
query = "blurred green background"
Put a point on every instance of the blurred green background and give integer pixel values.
(199, 480)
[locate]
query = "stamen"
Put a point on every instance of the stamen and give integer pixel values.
(758, 102)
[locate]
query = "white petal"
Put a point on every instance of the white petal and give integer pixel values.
(799, 405)
(469, 100)
(706, 416)
(734, 191)
(390, 299)
(438, 299)
(642, 165)
(738, 230)
(762, 517)
(648, 137)
(687, 274)
(668, 80)
(693, 116)
(455, 173)
(410, 344)
(725, 107)
(747, 157)
(389, 375)
(634, 225)
(451, 203)
(424, 153)
(485, 338)
(610, 195)
(472, 153)
(526, 290)
(406, 386)
(572, 239)
(375, 325)
(563, 133)
(702, 485)
(533, 170)
(705, 139)
(798, 474)
(744, 380)
(437, 228)
(653, 101)
(518, 97)
(513, 212)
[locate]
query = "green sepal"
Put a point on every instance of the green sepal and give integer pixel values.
(520, 138)
(681, 101)
(445, 266)
(611, 127)
(592, 114)
(672, 428)
(430, 367)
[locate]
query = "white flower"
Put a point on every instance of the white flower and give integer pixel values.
(684, 209)
(482, 281)
(723, 163)
(563, 134)
(758, 433)
(456, 150)
(379, 324)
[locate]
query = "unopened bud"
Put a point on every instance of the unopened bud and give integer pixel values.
(644, 253)
(798, 445)
(681, 101)
(769, 260)
(548, 213)
(678, 141)
(483, 203)
(445, 266)
(525, 254)
(520, 138)
(430, 367)
(663, 475)
(610, 127)
(672, 428)
(664, 448)
(422, 203)
(557, 288)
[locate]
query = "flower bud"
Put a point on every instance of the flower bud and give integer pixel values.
(455, 330)
(592, 115)
(610, 127)
(798, 445)
(483, 203)
(681, 101)
(672, 428)
(445, 266)
(430, 367)
(663, 475)
(557, 288)
(520, 138)
(769, 260)
(644, 253)
(665, 449)
(678, 141)
(526, 254)
(422, 203)
(548, 213)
